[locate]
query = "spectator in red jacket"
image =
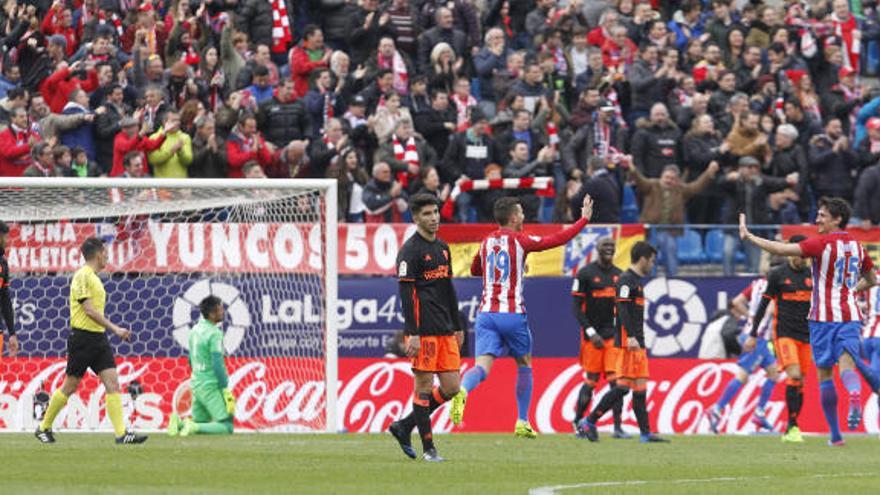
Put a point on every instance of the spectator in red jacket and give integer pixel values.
(129, 139)
(15, 144)
(59, 21)
(602, 32)
(57, 88)
(618, 51)
(246, 144)
(309, 55)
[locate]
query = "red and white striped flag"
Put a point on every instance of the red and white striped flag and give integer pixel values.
(281, 37)
(542, 185)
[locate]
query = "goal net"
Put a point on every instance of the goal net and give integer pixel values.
(266, 248)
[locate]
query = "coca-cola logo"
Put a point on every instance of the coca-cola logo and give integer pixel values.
(379, 394)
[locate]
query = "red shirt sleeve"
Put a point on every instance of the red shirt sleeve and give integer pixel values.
(812, 247)
(532, 243)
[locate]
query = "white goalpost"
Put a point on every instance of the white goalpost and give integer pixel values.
(266, 247)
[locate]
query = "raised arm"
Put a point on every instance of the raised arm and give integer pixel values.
(772, 247)
(532, 243)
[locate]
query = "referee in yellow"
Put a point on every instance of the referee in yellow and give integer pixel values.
(88, 347)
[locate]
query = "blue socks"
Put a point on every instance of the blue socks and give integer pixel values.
(523, 392)
(828, 396)
(729, 393)
(766, 392)
(473, 377)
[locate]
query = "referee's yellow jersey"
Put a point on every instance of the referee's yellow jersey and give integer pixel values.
(86, 285)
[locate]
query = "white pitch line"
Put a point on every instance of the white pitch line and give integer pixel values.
(550, 490)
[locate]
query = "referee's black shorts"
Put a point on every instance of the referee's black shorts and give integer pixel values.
(88, 350)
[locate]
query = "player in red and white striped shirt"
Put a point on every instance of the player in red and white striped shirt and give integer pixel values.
(502, 325)
(841, 269)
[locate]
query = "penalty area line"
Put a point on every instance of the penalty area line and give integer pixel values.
(550, 490)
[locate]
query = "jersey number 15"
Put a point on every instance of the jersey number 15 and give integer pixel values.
(846, 270)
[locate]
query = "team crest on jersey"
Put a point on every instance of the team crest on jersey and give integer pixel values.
(788, 281)
(401, 270)
(597, 280)
(624, 292)
(615, 278)
(808, 281)
(427, 257)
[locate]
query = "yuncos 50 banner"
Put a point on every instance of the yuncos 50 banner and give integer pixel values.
(282, 394)
(145, 246)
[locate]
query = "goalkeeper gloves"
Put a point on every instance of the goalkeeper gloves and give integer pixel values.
(230, 401)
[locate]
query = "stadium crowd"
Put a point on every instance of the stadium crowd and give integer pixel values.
(706, 108)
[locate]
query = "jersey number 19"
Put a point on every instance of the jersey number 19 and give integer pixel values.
(498, 266)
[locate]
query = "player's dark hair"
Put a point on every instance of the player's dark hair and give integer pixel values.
(504, 209)
(419, 201)
(4, 229)
(837, 207)
(91, 247)
(206, 307)
(641, 250)
(797, 238)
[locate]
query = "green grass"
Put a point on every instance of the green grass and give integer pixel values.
(485, 464)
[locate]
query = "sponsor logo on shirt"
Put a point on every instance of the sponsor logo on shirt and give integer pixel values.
(437, 273)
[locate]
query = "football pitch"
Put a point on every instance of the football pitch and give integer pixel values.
(479, 464)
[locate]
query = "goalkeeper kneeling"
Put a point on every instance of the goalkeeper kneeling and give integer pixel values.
(213, 406)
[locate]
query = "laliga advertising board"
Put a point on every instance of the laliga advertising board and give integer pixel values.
(373, 392)
(282, 320)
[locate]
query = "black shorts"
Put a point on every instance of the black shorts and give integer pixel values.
(88, 350)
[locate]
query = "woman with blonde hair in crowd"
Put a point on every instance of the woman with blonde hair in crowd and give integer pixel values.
(445, 67)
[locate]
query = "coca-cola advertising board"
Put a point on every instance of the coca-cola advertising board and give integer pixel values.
(288, 394)
(272, 314)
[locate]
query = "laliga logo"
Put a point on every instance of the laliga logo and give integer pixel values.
(675, 316)
(187, 305)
